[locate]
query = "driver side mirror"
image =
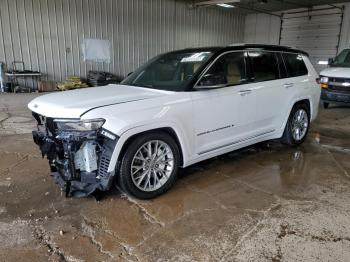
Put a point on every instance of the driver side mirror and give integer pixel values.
(330, 61)
(211, 81)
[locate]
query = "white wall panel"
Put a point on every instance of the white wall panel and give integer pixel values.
(46, 34)
(262, 28)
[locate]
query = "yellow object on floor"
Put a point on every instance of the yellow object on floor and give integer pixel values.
(72, 82)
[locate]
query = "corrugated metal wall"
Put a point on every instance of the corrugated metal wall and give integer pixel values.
(262, 28)
(46, 34)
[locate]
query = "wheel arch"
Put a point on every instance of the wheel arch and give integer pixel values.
(127, 137)
(305, 102)
(168, 130)
(286, 136)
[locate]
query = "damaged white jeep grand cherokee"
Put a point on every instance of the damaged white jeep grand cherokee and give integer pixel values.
(178, 109)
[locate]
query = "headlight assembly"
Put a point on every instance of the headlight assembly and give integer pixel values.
(79, 125)
(324, 80)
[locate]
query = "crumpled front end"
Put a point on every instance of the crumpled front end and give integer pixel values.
(79, 160)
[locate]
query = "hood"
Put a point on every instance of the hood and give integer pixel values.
(73, 104)
(342, 72)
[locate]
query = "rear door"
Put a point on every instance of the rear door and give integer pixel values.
(272, 89)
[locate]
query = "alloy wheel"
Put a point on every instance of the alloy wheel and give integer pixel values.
(300, 124)
(152, 165)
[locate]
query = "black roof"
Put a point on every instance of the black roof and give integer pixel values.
(247, 47)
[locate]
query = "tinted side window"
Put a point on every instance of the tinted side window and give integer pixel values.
(230, 67)
(295, 64)
(264, 65)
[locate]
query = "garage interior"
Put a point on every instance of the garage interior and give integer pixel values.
(267, 202)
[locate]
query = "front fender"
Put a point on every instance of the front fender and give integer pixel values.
(131, 131)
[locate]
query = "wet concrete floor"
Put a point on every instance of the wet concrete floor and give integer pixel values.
(264, 203)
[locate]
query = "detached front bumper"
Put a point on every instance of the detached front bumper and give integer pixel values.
(78, 160)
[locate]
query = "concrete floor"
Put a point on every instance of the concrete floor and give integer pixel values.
(264, 203)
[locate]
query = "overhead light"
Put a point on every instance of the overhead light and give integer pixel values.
(223, 3)
(226, 5)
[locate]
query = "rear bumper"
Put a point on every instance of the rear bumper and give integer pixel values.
(79, 161)
(335, 97)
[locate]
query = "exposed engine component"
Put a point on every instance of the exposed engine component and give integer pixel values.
(85, 158)
(79, 160)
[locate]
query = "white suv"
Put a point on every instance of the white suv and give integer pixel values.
(178, 109)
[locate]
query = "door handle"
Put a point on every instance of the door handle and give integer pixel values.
(288, 85)
(245, 92)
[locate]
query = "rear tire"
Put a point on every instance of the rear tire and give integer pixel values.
(297, 126)
(149, 166)
(325, 105)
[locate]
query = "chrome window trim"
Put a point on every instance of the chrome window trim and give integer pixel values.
(246, 50)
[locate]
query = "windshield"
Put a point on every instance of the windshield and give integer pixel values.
(171, 71)
(343, 59)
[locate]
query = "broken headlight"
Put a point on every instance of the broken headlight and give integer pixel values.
(79, 125)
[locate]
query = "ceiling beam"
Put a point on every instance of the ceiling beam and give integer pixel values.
(303, 5)
(293, 3)
(258, 10)
(341, 8)
(235, 3)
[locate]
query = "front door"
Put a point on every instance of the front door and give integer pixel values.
(224, 116)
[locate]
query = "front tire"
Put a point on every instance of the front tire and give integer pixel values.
(149, 166)
(297, 126)
(325, 105)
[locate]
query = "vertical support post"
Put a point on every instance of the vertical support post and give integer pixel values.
(341, 27)
(281, 24)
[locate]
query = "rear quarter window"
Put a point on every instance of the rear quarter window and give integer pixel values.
(295, 64)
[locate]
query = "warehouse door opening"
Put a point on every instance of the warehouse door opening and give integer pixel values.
(316, 31)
